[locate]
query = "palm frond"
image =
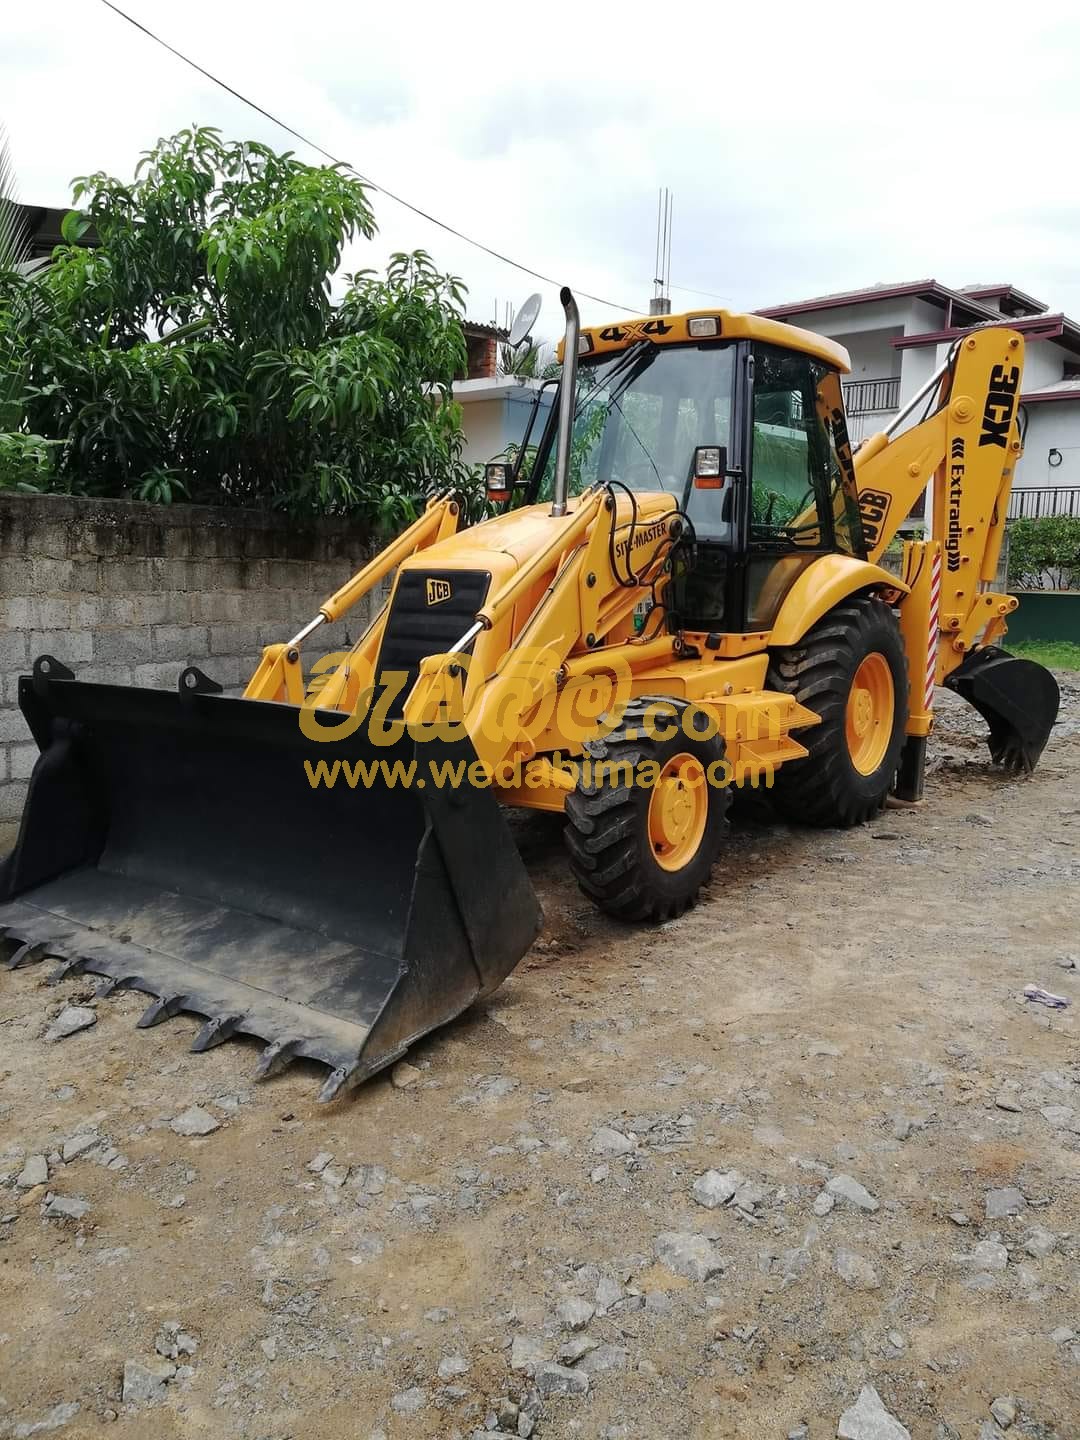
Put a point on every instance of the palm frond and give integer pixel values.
(14, 239)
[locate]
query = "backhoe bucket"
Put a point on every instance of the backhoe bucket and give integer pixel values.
(175, 844)
(1017, 698)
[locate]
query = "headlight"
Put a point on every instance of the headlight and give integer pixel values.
(703, 327)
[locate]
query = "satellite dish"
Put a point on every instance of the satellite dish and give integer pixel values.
(524, 321)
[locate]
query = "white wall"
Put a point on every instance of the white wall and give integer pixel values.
(873, 357)
(1053, 425)
(482, 421)
(1044, 364)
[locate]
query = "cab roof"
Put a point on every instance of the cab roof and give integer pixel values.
(674, 330)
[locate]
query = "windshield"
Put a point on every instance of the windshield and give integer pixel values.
(641, 413)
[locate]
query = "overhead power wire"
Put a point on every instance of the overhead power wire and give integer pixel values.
(381, 189)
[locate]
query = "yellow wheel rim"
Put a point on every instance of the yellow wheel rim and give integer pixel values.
(678, 810)
(871, 706)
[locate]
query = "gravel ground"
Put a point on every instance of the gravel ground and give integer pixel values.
(802, 1163)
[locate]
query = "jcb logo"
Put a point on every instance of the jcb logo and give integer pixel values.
(1000, 403)
(438, 591)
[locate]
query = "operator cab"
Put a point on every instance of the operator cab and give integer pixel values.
(747, 434)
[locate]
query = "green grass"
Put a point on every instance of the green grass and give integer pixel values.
(1055, 654)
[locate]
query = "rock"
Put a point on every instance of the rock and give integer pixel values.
(576, 1349)
(194, 1121)
(269, 1347)
(1061, 1117)
(526, 1425)
(687, 1254)
(599, 1174)
(321, 1161)
(844, 1187)
(70, 1021)
(990, 1255)
(801, 1432)
(450, 1366)
(79, 1144)
(748, 1195)
(506, 1416)
(1003, 1409)
(408, 1402)
(1000, 1203)
(1062, 1335)
(605, 1357)
(438, 1315)
(977, 818)
(856, 1271)
(823, 1203)
(34, 1172)
(554, 1379)
(902, 1126)
(959, 1217)
(527, 1352)
(868, 1419)
(1040, 1243)
(64, 1207)
(989, 1431)
(574, 1313)
(172, 1342)
(608, 1293)
(822, 1048)
(611, 1142)
(1068, 962)
(56, 1419)
(404, 1075)
(145, 1384)
(1007, 1101)
(713, 1188)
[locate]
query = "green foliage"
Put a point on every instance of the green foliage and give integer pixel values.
(532, 360)
(1054, 654)
(26, 462)
(196, 354)
(1045, 553)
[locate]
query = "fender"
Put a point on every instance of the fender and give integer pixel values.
(823, 585)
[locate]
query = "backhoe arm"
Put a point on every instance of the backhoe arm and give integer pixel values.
(953, 616)
(969, 447)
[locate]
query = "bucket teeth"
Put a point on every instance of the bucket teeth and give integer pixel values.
(215, 1031)
(114, 983)
(163, 1008)
(73, 966)
(29, 953)
(275, 1057)
(336, 1081)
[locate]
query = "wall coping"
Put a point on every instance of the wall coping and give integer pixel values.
(61, 509)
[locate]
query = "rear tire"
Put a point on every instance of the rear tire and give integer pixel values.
(642, 852)
(851, 669)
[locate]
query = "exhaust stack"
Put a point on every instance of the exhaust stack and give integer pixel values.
(567, 403)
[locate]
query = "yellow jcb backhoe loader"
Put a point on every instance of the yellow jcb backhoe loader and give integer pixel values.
(683, 593)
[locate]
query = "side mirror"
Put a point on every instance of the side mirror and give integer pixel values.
(710, 467)
(497, 479)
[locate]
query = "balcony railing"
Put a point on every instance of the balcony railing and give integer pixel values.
(1033, 502)
(869, 397)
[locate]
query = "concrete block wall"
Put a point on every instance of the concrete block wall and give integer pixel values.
(129, 594)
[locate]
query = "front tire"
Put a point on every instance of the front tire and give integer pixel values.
(642, 852)
(851, 669)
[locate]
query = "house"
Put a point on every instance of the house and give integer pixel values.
(41, 226)
(495, 408)
(898, 335)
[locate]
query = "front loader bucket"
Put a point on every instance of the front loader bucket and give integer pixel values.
(1017, 698)
(175, 844)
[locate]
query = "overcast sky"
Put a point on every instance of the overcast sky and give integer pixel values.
(809, 148)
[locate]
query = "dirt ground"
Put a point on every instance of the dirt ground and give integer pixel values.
(841, 1004)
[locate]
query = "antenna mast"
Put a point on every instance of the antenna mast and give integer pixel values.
(660, 304)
